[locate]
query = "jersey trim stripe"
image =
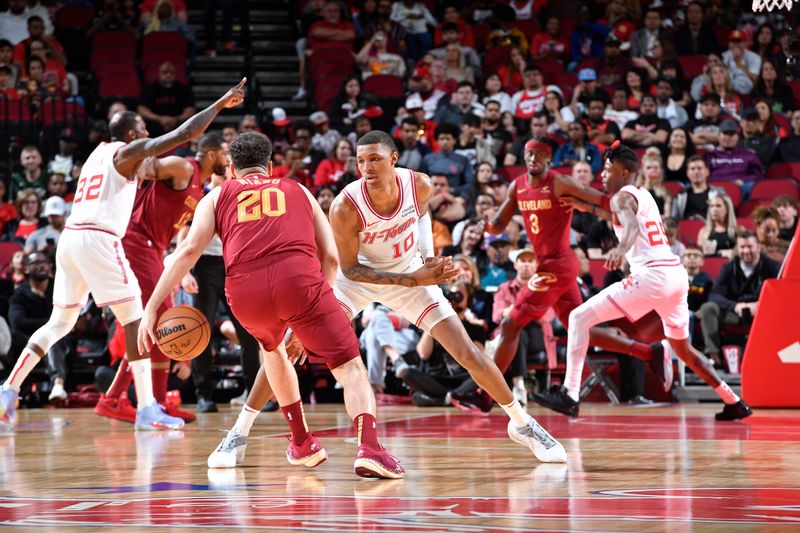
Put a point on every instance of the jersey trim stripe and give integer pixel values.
(90, 228)
(67, 306)
(425, 313)
(619, 308)
(347, 309)
(358, 210)
(115, 302)
(414, 192)
(369, 203)
(663, 262)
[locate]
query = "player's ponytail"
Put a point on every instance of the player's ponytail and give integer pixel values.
(625, 155)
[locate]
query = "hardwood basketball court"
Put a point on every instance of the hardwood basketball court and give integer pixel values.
(629, 469)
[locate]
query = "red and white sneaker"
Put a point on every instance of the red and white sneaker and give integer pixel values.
(377, 463)
(177, 413)
(310, 453)
(117, 408)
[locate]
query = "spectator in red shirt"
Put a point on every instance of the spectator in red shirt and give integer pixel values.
(330, 171)
(548, 44)
(293, 167)
(452, 15)
(332, 32)
(36, 32)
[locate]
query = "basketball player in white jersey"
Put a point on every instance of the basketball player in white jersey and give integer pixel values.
(90, 257)
(657, 282)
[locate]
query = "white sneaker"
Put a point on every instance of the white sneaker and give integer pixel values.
(58, 393)
(542, 444)
(300, 94)
(240, 400)
(668, 373)
(520, 392)
(230, 452)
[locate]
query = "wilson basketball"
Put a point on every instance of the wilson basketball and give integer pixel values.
(182, 333)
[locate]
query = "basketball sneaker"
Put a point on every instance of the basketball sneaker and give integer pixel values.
(661, 363)
(557, 399)
(117, 408)
(310, 453)
(478, 403)
(230, 452)
(542, 444)
(8, 409)
(734, 411)
(377, 463)
(177, 413)
(153, 417)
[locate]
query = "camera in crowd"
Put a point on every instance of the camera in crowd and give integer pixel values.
(453, 296)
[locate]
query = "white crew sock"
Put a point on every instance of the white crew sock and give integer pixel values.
(247, 417)
(519, 416)
(26, 362)
(727, 395)
(143, 381)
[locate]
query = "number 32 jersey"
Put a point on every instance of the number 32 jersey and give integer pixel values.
(388, 242)
(651, 248)
(104, 197)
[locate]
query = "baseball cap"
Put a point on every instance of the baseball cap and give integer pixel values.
(750, 114)
(54, 206)
(587, 74)
(714, 97)
(737, 35)
(728, 126)
(498, 240)
(414, 101)
(612, 39)
(420, 72)
(279, 117)
(319, 117)
(524, 252)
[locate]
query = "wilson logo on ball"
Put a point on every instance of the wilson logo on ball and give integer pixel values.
(163, 332)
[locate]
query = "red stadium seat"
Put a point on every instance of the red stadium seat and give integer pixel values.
(783, 171)
(496, 58)
(7, 251)
(165, 40)
(688, 230)
(159, 56)
(563, 80)
(73, 17)
(769, 189)
(528, 27)
(325, 62)
(510, 172)
(115, 69)
(550, 66)
(480, 32)
(746, 208)
(674, 187)
(120, 86)
(384, 86)
(712, 265)
(723, 34)
(14, 111)
(795, 85)
(57, 111)
(746, 223)
(692, 65)
(114, 39)
(562, 170)
(102, 56)
(732, 190)
(325, 91)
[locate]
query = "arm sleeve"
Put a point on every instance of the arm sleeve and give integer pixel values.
(426, 236)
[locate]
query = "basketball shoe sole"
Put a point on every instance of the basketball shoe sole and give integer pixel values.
(118, 410)
(372, 463)
(541, 443)
(230, 452)
(309, 454)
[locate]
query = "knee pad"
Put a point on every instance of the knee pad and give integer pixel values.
(127, 312)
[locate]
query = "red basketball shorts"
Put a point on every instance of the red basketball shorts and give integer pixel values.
(147, 262)
(555, 285)
(289, 291)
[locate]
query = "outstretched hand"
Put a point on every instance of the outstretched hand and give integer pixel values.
(576, 203)
(234, 96)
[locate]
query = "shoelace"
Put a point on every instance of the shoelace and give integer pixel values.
(534, 430)
(229, 442)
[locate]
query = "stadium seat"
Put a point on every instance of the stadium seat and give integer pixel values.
(713, 264)
(384, 86)
(528, 27)
(688, 230)
(114, 39)
(159, 56)
(550, 66)
(165, 40)
(115, 69)
(795, 85)
(746, 223)
(102, 56)
(692, 65)
(733, 191)
(674, 187)
(325, 90)
(783, 171)
(769, 189)
(75, 17)
(480, 32)
(747, 207)
(56, 112)
(723, 34)
(510, 172)
(120, 86)
(7, 251)
(496, 58)
(331, 63)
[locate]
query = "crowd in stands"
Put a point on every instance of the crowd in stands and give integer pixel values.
(702, 90)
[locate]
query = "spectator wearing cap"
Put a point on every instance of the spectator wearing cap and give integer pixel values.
(460, 174)
(412, 152)
(450, 35)
(46, 239)
(67, 145)
(32, 174)
(731, 162)
(417, 21)
(612, 65)
(753, 137)
(586, 40)
(165, 103)
(427, 127)
(548, 44)
(499, 268)
(666, 107)
(423, 91)
(506, 34)
(788, 150)
(737, 58)
(586, 89)
(644, 39)
(695, 37)
(375, 59)
(704, 131)
(530, 100)
(648, 129)
(464, 102)
(280, 133)
(325, 137)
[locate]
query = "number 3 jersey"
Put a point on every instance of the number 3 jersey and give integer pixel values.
(547, 222)
(651, 248)
(259, 217)
(388, 242)
(104, 197)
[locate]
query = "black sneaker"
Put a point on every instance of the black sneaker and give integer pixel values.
(734, 411)
(478, 403)
(640, 400)
(204, 405)
(270, 407)
(558, 400)
(420, 399)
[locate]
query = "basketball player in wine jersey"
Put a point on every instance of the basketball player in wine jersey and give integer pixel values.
(160, 211)
(657, 282)
(280, 260)
(90, 255)
(539, 194)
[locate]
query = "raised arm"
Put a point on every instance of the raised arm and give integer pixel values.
(174, 168)
(326, 244)
(503, 216)
(624, 206)
(129, 156)
(346, 227)
(184, 258)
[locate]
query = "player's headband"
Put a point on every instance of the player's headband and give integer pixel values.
(538, 146)
(611, 150)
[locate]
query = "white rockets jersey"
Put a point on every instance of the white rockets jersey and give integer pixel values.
(388, 243)
(651, 248)
(104, 197)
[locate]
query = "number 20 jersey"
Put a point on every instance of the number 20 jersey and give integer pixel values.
(651, 248)
(547, 222)
(388, 242)
(104, 197)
